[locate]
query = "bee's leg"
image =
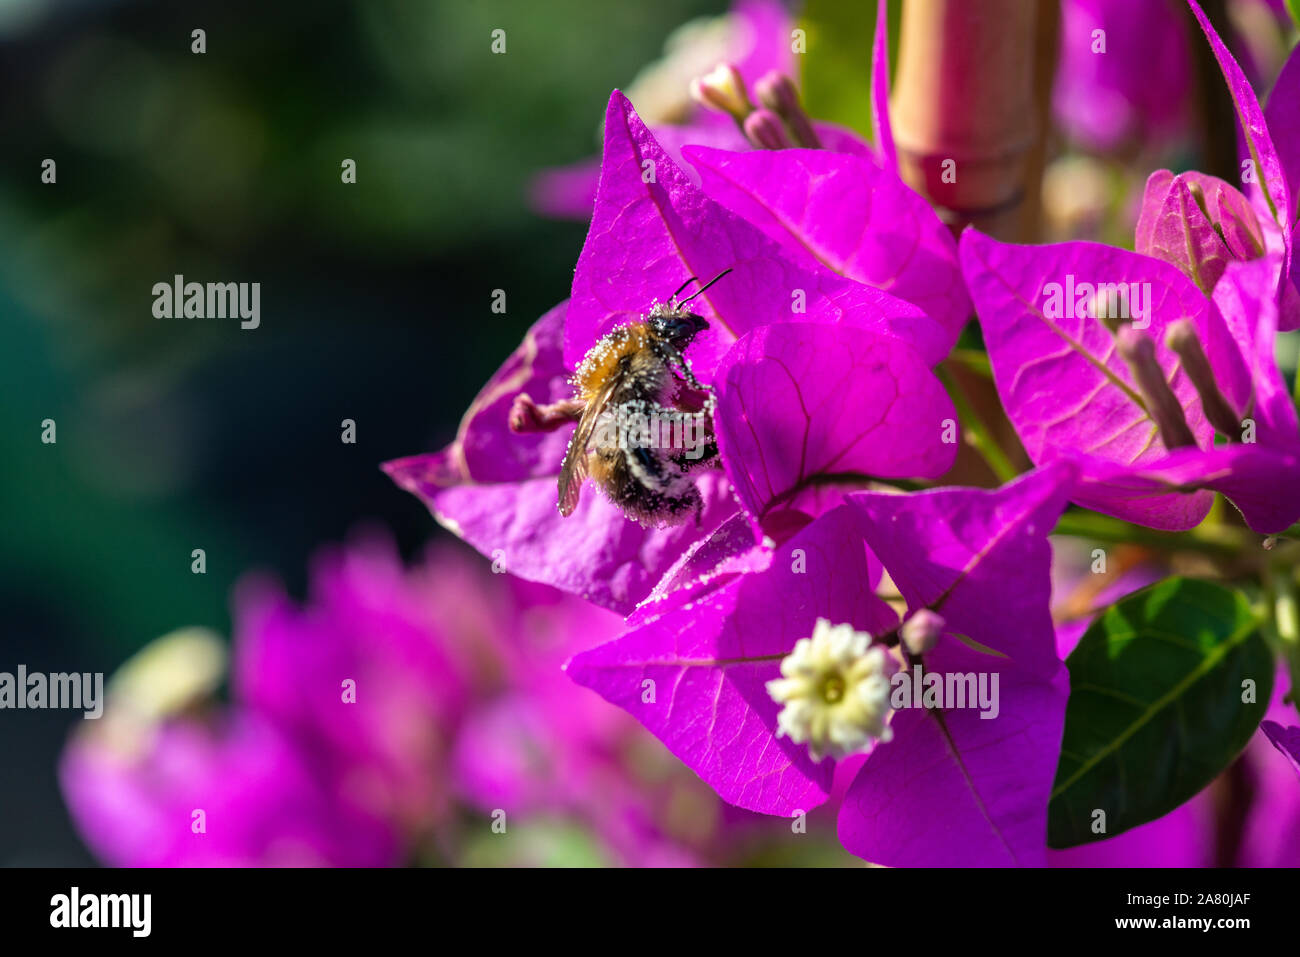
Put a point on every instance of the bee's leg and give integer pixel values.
(696, 396)
(689, 376)
(677, 364)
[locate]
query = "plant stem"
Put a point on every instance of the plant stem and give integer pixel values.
(1286, 619)
(1218, 539)
(975, 432)
(976, 360)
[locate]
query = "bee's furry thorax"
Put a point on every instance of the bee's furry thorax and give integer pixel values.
(602, 362)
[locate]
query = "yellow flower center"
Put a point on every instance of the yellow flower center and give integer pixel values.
(833, 688)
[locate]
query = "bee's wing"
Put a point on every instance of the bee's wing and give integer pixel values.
(577, 461)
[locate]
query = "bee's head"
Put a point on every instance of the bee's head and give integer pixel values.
(672, 323)
(677, 326)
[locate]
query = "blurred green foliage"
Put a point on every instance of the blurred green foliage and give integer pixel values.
(836, 72)
(225, 166)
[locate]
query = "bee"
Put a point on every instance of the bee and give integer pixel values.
(646, 422)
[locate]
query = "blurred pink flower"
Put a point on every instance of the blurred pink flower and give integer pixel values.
(1124, 74)
(375, 724)
(229, 793)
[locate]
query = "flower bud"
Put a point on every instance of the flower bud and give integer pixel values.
(1181, 339)
(1138, 350)
(1198, 223)
(920, 633)
(765, 130)
(723, 89)
(527, 416)
(777, 92)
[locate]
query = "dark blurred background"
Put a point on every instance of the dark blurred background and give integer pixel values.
(176, 434)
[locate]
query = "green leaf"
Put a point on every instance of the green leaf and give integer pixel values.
(1293, 8)
(835, 72)
(1156, 710)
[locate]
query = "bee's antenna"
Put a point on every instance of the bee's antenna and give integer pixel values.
(673, 297)
(702, 288)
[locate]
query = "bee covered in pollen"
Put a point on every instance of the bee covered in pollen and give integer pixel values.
(645, 423)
